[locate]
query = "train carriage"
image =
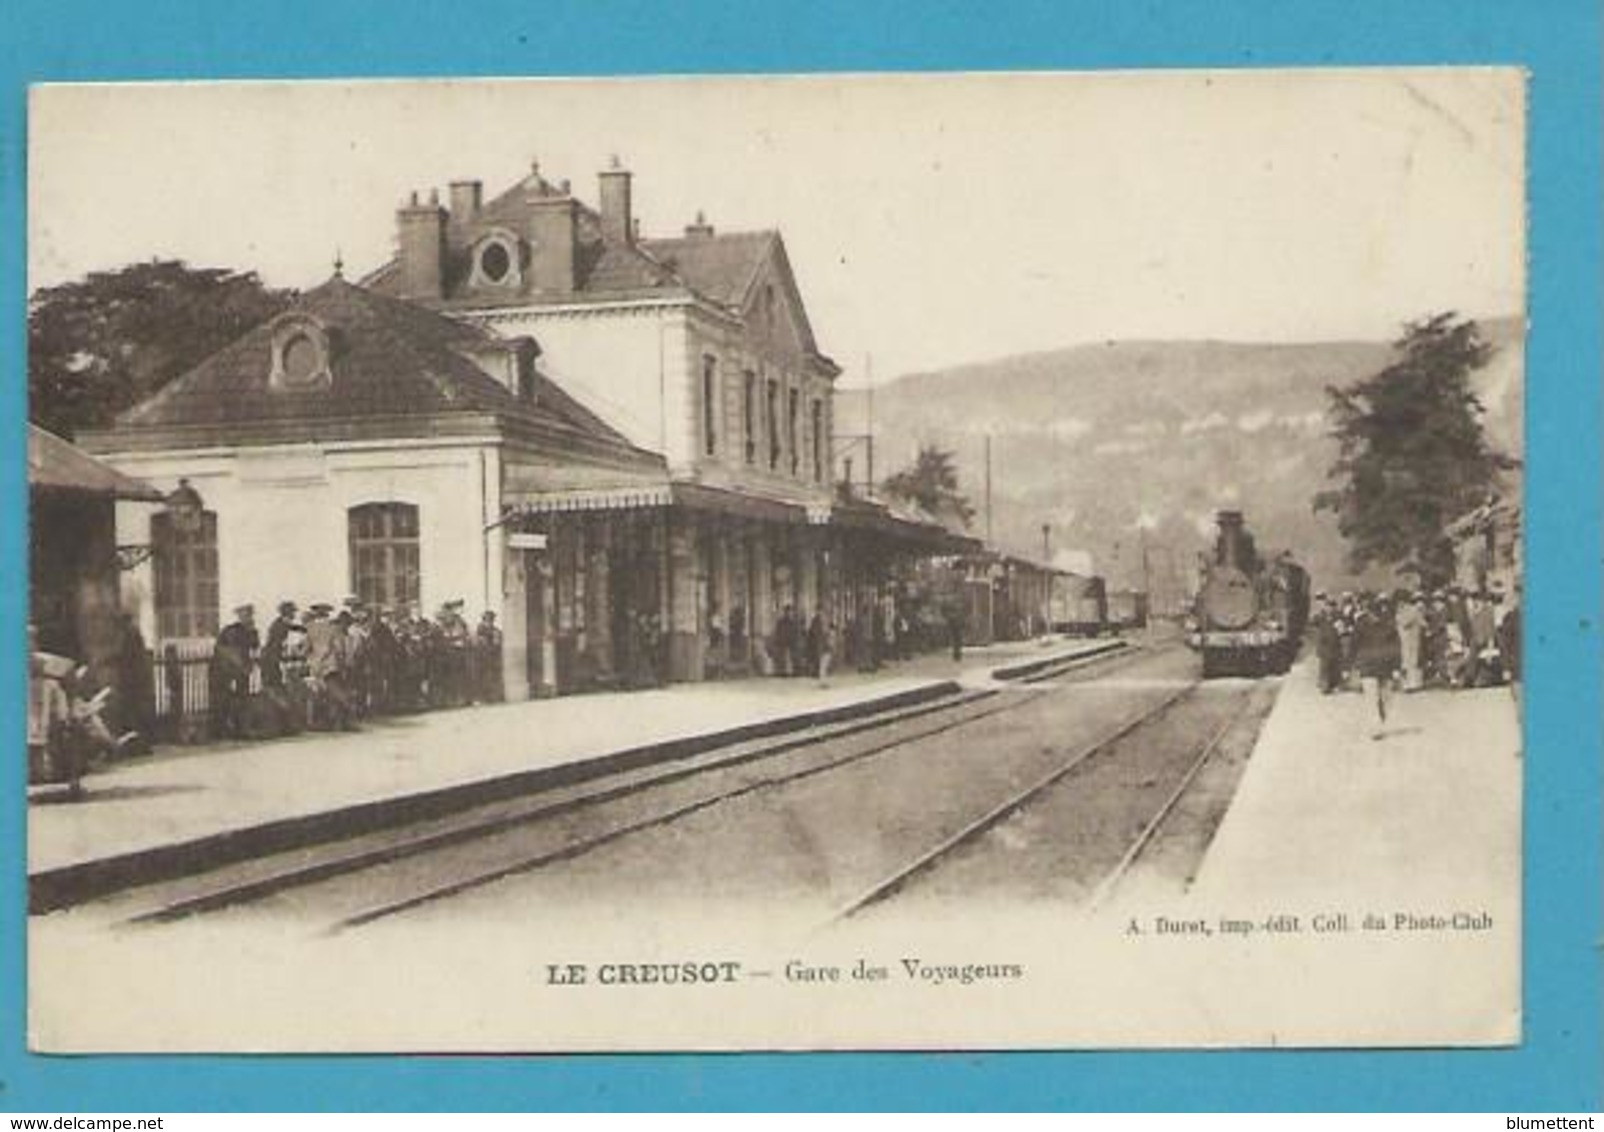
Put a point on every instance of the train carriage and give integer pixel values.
(1080, 605)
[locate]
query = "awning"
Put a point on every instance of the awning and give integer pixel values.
(858, 515)
(722, 501)
(542, 488)
(55, 465)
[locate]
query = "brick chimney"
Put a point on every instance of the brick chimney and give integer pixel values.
(421, 230)
(617, 219)
(553, 237)
(467, 197)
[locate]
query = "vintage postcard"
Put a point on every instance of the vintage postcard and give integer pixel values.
(837, 562)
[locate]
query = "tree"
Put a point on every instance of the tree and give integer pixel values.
(931, 482)
(1412, 454)
(108, 341)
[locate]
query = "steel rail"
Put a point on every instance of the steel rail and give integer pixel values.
(1109, 883)
(925, 861)
(332, 864)
(465, 828)
(584, 845)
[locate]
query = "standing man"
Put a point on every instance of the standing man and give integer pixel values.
(359, 657)
(1509, 643)
(382, 648)
(1411, 625)
(785, 643)
(278, 632)
(1483, 646)
(1327, 645)
(819, 647)
(325, 641)
(454, 641)
(1377, 657)
(487, 639)
(955, 627)
(136, 708)
(232, 656)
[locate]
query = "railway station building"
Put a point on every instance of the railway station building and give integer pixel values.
(698, 348)
(620, 446)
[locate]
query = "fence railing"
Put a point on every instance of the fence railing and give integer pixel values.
(181, 695)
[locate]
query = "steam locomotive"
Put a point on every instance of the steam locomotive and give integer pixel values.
(1250, 613)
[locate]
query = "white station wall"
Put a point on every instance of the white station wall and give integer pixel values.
(282, 520)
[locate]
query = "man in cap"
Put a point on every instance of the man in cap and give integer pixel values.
(325, 640)
(487, 640)
(1483, 648)
(358, 655)
(454, 639)
(230, 671)
(1509, 641)
(382, 649)
(1410, 623)
(278, 632)
(1327, 645)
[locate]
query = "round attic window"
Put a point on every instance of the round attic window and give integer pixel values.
(495, 262)
(301, 359)
(300, 353)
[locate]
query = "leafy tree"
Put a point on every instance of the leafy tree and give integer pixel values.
(108, 341)
(931, 482)
(1413, 456)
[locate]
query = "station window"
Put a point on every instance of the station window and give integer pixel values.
(709, 405)
(184, 561)
(819, 440)
(384, 553)
(792, 415)
(748, 414)
(773, 422)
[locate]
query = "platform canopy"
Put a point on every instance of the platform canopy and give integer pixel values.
(55, 465)
(534, 489)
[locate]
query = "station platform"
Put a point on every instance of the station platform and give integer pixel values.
(1423, 811)
(171, 812)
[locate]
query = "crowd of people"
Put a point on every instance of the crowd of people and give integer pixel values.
(879, 630)
(1411, 640)
(328, 668)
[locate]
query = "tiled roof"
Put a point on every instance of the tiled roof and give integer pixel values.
(57, 465)
(388, 359)
(721, 267)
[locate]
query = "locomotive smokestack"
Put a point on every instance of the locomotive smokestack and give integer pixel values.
(1232, 549)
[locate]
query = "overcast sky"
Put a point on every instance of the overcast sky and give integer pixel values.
(932, 220)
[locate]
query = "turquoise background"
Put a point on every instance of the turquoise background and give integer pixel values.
(1558, 1067)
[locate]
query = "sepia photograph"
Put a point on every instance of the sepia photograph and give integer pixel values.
(860, 562)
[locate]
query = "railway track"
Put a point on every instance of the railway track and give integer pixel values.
(668, 793)
(899, 880)
(1149, 833)
(971, 835)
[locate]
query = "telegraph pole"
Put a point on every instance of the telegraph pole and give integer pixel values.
(868, 378)
(988, 489)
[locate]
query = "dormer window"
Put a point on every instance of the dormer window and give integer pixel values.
(494, 262)
(301, 359)
(497, 261)
(300, 348)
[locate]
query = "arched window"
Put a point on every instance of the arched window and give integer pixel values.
(184, 562)
(384, 553)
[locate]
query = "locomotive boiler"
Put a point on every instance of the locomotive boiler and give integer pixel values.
(1250, 613)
